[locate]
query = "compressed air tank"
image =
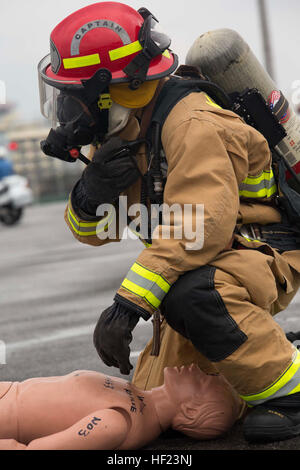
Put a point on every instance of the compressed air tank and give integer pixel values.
(227, 60)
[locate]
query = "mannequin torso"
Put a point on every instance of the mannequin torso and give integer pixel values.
(48, 405)
(88, 410)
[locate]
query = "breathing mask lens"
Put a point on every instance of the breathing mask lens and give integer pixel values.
(78, 113)
(71, 109)
(50, 96)
(48, 102)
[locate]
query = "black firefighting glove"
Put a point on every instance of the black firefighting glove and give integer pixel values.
(112, 336)
(112, 170)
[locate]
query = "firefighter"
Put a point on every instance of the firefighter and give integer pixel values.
(107, 73)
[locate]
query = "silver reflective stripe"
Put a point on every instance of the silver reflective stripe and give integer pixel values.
(282, 392)
(286, 384)
(55, 57)
(79, 228)
(84, 29)
(255, 188)
(261, 186)
(90, 228)
(146, 284)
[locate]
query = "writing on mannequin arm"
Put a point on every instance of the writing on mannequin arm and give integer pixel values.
(101, 430)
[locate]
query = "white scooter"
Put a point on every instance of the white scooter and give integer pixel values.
(15, 195)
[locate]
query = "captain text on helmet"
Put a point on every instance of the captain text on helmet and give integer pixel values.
(160, 137)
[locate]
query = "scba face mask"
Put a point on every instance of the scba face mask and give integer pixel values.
(79, 115)
(76, 123)
(74, 126)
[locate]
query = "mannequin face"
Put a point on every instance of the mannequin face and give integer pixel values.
(206, 405)
(184, 382)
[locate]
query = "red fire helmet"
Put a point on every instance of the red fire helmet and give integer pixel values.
(111, 36)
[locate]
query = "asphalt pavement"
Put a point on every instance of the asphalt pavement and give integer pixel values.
(52, 291)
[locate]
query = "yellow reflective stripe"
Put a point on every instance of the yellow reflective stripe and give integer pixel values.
(287, 375)
(139, 236)
(83, 224)
(130, 49)
(167, 54)
(265, 192)
(147, 284)
(84, 61)
(295, 390)
(211, 102)
(78, 232)
(86, 233)
(151, 276)
(265, 175)
(141, 292)
(251, 239)
(152, 300)
(125, 51)
(261, 186)
(81, 228)
(138, 290)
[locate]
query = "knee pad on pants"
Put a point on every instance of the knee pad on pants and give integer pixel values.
(195, 309)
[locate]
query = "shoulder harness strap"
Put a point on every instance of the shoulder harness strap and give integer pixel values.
(177, 87)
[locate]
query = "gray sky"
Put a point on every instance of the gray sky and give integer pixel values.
(26, 27)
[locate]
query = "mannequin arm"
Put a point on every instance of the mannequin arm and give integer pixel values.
(11, 444)
(101, 430)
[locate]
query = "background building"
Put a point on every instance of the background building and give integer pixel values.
(49, 178)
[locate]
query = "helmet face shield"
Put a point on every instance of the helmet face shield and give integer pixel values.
(78, 114)
(58, 107)
(64, 102)
(50, 93)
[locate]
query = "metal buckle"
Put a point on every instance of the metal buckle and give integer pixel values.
(105, 101)
(251, 231)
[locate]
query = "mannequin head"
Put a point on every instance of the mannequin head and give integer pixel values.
(207, 405)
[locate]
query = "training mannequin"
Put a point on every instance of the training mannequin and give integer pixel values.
(87, 410)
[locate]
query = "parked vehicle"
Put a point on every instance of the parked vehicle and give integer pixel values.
(15, 195)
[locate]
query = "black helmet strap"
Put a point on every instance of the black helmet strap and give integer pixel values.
(137, 69)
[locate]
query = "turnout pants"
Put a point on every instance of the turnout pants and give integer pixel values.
(221, 317)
